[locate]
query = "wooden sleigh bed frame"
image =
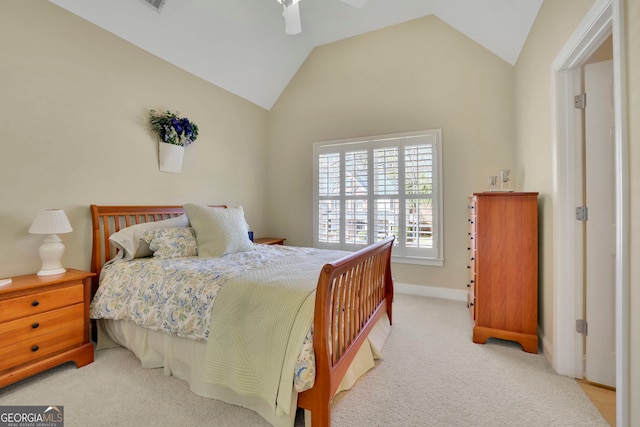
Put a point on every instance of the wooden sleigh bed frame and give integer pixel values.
(358, 287)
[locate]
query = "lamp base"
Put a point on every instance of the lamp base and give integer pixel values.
(51, 252)
(51, 272)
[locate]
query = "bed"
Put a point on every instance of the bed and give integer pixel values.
(351, 303)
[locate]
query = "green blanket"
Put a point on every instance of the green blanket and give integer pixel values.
(258, 324)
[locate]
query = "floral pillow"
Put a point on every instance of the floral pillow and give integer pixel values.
(171, 242)
(128, 240)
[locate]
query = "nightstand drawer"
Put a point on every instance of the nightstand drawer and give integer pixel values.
(35, 303)
(270, 240)
(39, 324)
(64, 337)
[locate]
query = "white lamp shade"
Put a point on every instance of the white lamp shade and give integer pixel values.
(50, 221)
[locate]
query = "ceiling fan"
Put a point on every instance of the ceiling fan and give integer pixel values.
(292, 14)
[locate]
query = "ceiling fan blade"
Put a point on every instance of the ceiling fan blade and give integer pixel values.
(292, 19)
(355, 3)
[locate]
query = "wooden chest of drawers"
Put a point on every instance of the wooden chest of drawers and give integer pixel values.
(503, 267)
(44, 322)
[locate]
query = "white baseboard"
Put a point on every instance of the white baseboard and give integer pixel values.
(430, 291)
(546, 347)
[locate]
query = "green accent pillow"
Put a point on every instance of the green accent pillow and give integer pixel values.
(219, 231)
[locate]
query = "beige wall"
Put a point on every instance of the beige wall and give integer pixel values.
(419, 75)
(73, 112)
(603, 53)
(632, 52)
(555, 23)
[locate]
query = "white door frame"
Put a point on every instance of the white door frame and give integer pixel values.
(603, 19)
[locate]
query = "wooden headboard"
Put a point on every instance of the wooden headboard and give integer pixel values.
(106, 220)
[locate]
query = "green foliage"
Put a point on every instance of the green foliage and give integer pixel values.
(172, 129)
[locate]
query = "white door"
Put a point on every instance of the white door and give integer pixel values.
(600, 227)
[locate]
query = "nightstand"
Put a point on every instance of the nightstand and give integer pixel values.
(270, 240)
(44, 322)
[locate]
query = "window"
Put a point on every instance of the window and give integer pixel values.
(368, 188)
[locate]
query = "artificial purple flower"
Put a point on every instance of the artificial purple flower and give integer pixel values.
(177, 125)
(172, 129)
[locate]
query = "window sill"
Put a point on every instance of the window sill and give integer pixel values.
(418, 261)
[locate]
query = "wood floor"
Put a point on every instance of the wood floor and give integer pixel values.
(603, 398)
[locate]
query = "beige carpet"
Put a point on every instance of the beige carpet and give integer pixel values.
(432, 375)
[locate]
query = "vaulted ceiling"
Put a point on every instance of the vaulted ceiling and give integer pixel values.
(241, 45)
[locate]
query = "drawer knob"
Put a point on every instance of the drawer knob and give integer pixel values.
(35, 348)
(35, 303)
(35, 325)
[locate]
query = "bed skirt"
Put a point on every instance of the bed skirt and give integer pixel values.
(185, 359)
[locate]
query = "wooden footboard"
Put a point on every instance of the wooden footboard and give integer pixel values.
(352, 294)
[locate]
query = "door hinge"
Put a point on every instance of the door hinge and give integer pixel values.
(582, 213)
(580, 101)
(582, 327)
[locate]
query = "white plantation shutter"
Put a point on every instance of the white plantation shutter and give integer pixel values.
(367, 189)
(329, 180)
(356, 193)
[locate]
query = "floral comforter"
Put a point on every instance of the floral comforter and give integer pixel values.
(176, 295)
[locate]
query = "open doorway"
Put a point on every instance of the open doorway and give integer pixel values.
(604, 20)
(599, 217)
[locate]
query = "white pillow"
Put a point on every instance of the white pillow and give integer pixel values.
(128, 239)
(219, 231)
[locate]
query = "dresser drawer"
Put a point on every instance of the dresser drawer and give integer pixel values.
(32, 348)
(39, 324)
(39, 302)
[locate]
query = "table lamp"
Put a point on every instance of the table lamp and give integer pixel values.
(51, 222)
